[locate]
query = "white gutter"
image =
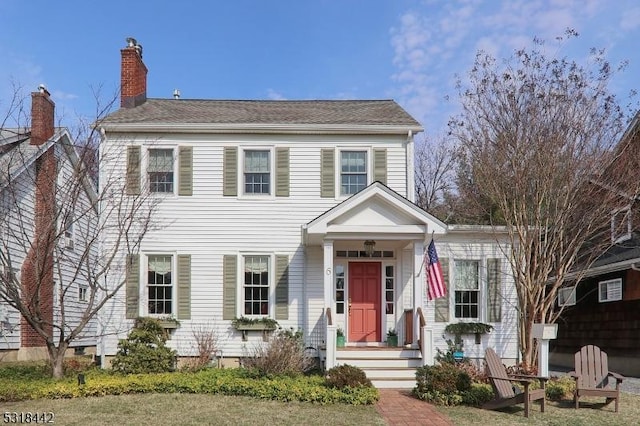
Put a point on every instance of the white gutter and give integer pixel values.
(605, 269)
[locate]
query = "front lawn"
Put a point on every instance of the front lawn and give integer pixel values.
(591, 412)
(183, 409)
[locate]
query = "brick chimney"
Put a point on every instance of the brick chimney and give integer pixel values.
(37, 268)
(42, 116)
(133, 76)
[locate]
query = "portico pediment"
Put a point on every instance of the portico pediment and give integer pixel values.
(376, 211)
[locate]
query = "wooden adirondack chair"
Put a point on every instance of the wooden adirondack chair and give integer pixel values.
(592, 375)
(503, 389)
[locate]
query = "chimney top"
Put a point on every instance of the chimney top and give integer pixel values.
(133, 75)
(42, 116)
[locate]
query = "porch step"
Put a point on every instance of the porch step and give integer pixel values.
(385, 367)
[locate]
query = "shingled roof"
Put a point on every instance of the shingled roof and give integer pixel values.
(267, 112)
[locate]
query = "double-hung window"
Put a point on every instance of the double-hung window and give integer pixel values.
(160, 170)
(256, 285)
(467, 288)
(353, 172)
(621, 225)
(257, 172)
(160, 284)
(567, 296)
(610, 290)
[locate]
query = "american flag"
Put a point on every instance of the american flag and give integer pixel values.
(435, 280)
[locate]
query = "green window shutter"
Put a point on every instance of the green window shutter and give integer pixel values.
(132, 284)
(327, 173)
(185, 172)
(184, 286)
(494, 294)
(442, 303)
(230, 172)
(282, 287)
(229, 283)
(133, 170)
(282, 172)
(380, 165)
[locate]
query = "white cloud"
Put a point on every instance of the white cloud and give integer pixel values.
(630, 19)
(274, 95)
(63, 96)
(440, 40)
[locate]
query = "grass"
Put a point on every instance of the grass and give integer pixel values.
(592, 411)
(190, 409)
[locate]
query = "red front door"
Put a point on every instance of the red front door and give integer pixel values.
(364, 302)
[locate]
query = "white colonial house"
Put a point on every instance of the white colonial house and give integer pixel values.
(299, 211)
(47, 210)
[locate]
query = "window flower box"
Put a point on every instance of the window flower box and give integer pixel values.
(477, 328)
(245, 325)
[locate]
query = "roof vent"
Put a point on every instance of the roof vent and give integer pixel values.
(176, 94)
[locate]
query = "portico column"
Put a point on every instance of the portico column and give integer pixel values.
(328, 276)
(419, 276)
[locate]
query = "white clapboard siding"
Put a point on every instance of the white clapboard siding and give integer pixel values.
(17, 210)
(478, 247)
(208, 225)
(68, 259)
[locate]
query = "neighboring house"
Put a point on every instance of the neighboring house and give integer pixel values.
(41, 236)
(604, 308)
(299, 211)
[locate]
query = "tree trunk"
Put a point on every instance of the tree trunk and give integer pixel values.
(56, 359)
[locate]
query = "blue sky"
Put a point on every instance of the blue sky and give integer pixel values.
(407, 50)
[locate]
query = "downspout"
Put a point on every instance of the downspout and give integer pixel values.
(411, 186)
(635, 267)
(305, 307)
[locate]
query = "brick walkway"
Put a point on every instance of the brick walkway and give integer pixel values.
(398, 407)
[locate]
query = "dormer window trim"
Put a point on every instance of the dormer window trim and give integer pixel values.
(617, 217)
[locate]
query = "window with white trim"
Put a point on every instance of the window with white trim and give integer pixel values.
(256, 285)
(389, 289)
(257, 172)
(340, 290)
(610, 290)
(160, 170)
(467, 289)
(353, 172)
(82, 293)
(567, 296)
(160, 283)
(621, 225)
(68, 231)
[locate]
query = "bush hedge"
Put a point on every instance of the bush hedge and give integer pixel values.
(210, 381)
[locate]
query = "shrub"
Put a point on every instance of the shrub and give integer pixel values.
(282, 355)
(207, 381)
(206, 346)
(455, 345)
(144, 350)
(442, 384)
(478, 394)
(347, 375)
(560, 388)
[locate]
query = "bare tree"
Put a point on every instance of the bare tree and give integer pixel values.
(56, 268)
(536, 133)
(434, 176)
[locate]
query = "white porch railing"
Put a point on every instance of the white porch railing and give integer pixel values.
(426, 339)
(330, 340)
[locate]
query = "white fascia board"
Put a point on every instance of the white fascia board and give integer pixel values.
(376, 231)
(604, 269)
(312, 129)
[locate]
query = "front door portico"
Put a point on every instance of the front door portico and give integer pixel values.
(364, 302)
